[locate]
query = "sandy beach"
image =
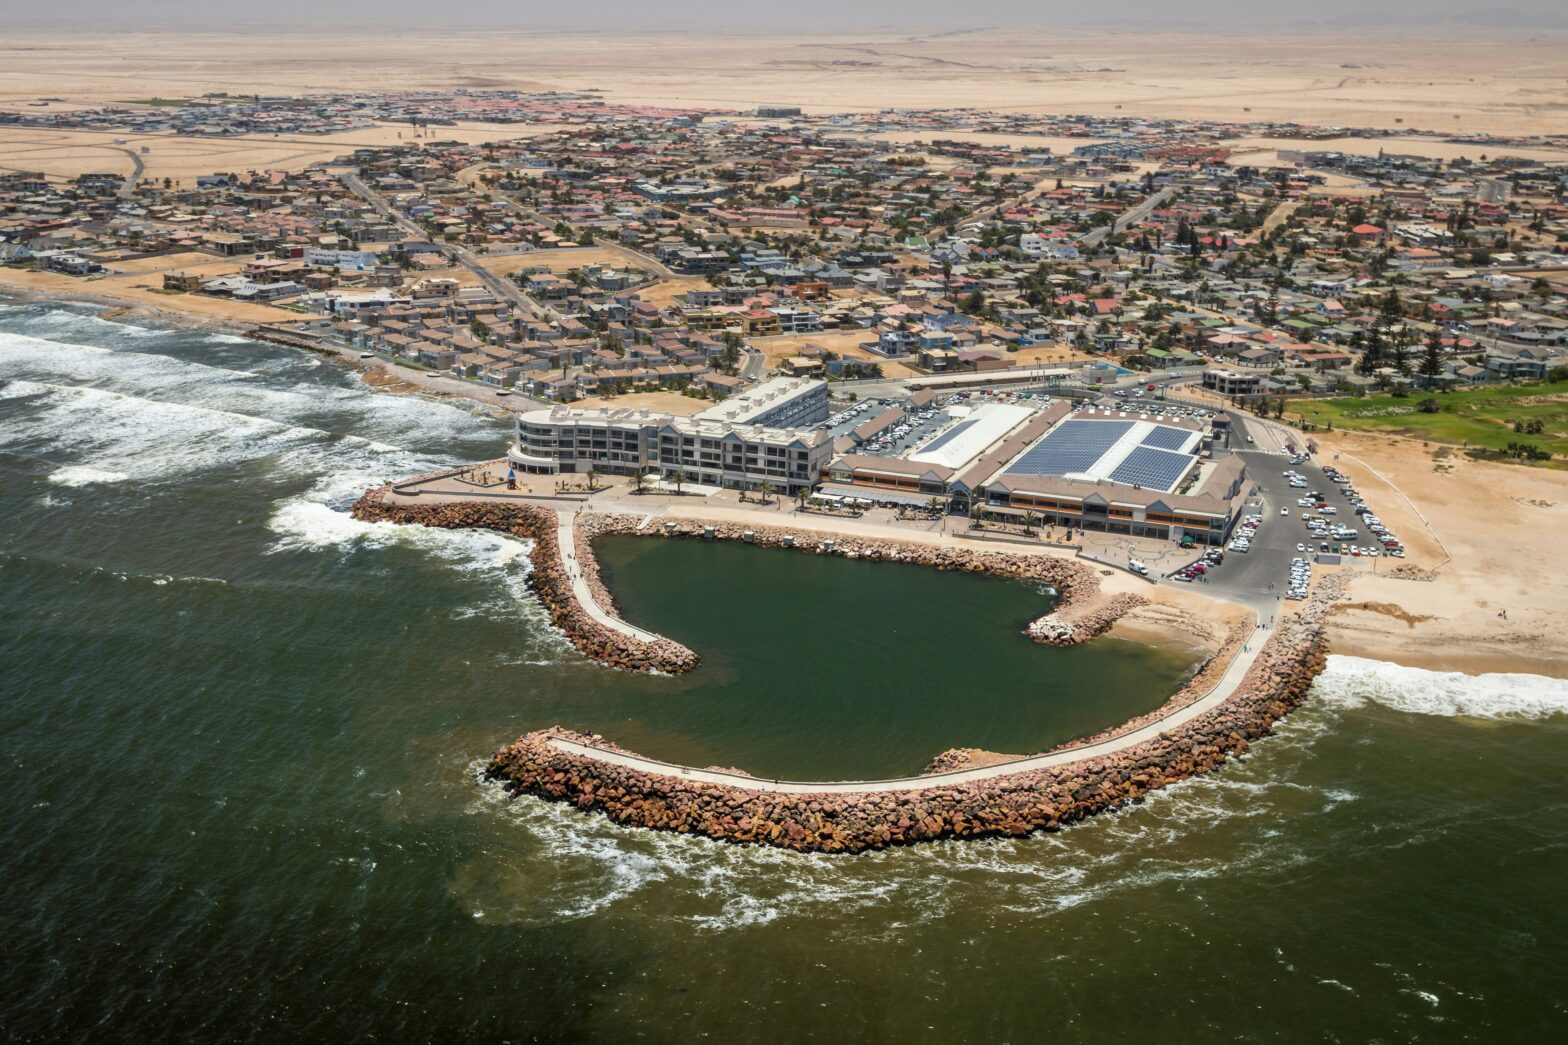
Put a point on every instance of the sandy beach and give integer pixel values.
(138, 291)
(1489, 530)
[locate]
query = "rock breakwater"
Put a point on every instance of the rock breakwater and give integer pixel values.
(1000, 803)
(549, 578)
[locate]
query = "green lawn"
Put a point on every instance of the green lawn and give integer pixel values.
(1480, 418)
(170, 102)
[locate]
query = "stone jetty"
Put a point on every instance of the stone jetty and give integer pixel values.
(1003, 804)
(992, 797)
(1081, 611)
(548, 578)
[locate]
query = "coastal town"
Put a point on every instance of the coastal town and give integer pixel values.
(1102, 340)
(699, 521)
(626, 251)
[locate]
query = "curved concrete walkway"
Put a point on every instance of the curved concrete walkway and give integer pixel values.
(1223, 689)
(565, 521)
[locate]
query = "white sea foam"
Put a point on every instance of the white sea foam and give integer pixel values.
(1199, 830)
(1354, 682)
(85, 475)
(146, 438)
(302, 522)
(65, 320)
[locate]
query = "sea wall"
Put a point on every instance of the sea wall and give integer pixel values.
(548, 578)
(1005, 804)
(1081, 612)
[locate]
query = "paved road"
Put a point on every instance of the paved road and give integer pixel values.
(755, 361)
(1222, 690)
(128, 186)
(502, 288)
(1492, 190)
(1245, 577)
(1128, 217)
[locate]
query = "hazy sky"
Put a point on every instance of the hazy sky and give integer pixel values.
(753, 14)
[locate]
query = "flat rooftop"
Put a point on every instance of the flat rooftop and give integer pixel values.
(1153, 455)
(742, 408)
(971, 437)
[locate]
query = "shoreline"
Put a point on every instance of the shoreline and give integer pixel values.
(398, 380)
(1210, 719)
(1465, 640)
(20, 294)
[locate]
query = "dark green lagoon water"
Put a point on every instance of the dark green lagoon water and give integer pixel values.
(824, 668)
(240, 737)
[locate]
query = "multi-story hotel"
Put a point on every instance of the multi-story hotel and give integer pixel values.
(762, 436)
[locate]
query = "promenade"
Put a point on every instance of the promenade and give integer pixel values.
(581, 589)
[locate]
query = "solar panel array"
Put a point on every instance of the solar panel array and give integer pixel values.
(949, 435)
(1152, 468)
(1167, 438)
(1071, 446)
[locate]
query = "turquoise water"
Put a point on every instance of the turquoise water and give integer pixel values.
(241, 740)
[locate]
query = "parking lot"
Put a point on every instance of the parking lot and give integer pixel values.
(1302, 512)
(1259, 576)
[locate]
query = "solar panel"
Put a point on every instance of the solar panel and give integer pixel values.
(1167, 438)
(1152, 468)
(1071, 446)
(949, 435)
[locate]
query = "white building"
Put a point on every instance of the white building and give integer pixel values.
(784, 402)
(711, 453)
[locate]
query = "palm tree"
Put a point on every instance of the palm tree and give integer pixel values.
(593, 477)
(677, 477)
(639, 479)
(801, 496)
(766, 489)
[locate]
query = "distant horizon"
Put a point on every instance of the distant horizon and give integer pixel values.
(719, 17)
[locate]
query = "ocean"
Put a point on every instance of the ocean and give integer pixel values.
(243, 737)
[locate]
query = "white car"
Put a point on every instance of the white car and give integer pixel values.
(1285, 512)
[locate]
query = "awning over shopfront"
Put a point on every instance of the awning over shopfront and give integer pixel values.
(872, 493)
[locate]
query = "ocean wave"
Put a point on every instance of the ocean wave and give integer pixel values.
(85, 475)
(135, 437)
(1355, 682)
(302, 522)
(279, 395)
(55, 319)
(571, 864)
(145, 438)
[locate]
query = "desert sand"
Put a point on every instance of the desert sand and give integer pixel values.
(1490, 533)
(181, 158)
(143, 289)
(1496, 80)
